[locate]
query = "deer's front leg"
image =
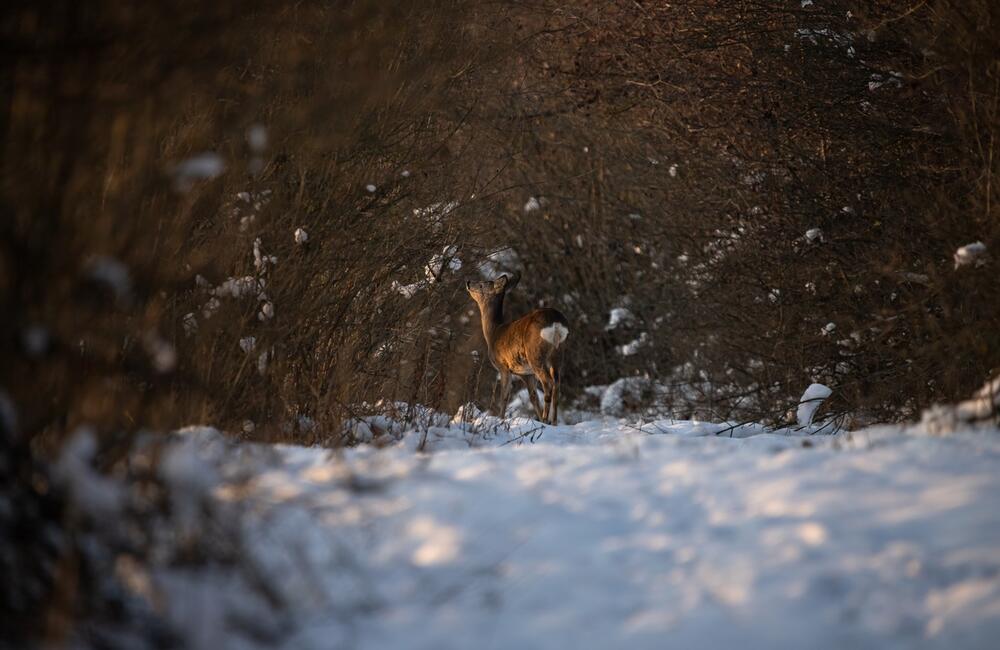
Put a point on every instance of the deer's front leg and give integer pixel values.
(504, 391)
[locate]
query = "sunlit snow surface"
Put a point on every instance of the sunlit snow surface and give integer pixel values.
(612, 534)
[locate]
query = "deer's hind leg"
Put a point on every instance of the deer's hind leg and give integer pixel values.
(554, 392)
(545, 379)
(532, 385)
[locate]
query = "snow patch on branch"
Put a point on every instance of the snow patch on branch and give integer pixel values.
(974, 254)
(811, 400)
(204, 166)
(447, 260)
(618, 316)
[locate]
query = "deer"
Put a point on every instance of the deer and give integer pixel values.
(527, 347)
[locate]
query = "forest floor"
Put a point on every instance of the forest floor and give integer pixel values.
(608, 533)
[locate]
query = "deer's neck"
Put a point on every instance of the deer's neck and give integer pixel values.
(492, 315)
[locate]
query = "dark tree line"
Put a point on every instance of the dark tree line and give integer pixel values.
(777, 191)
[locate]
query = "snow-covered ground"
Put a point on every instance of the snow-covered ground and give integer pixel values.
(605, 534)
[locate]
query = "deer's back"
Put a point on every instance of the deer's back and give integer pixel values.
(529, 341)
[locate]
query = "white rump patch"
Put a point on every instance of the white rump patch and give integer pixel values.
(555, 333)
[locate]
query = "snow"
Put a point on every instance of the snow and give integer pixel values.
(190, 324)
(260, 260)
(532, 204)
(257, 137)
(754, 178)
(113, 274)
(238, 287)
(916, 278)
(204, 166)
(634, 346)
(161, 353)
(816, 35)
(618, 316)
(500, 261)
(878, 80)
(438, 263)
(89, 491)
(189, 476)
(210, 307)
(407, 290)
(370, 187)
(811, 400)
(301, 236)
(814, 235)
(974, 253)
(984, 402)
(609, 533)
(984, 406)
(435, 212)
(631, 388)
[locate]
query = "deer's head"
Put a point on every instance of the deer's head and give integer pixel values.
(484, 292)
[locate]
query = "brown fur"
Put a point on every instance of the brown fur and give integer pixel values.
(517, 347)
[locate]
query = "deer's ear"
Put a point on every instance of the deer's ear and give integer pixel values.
(501, 283)
(468, 286)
